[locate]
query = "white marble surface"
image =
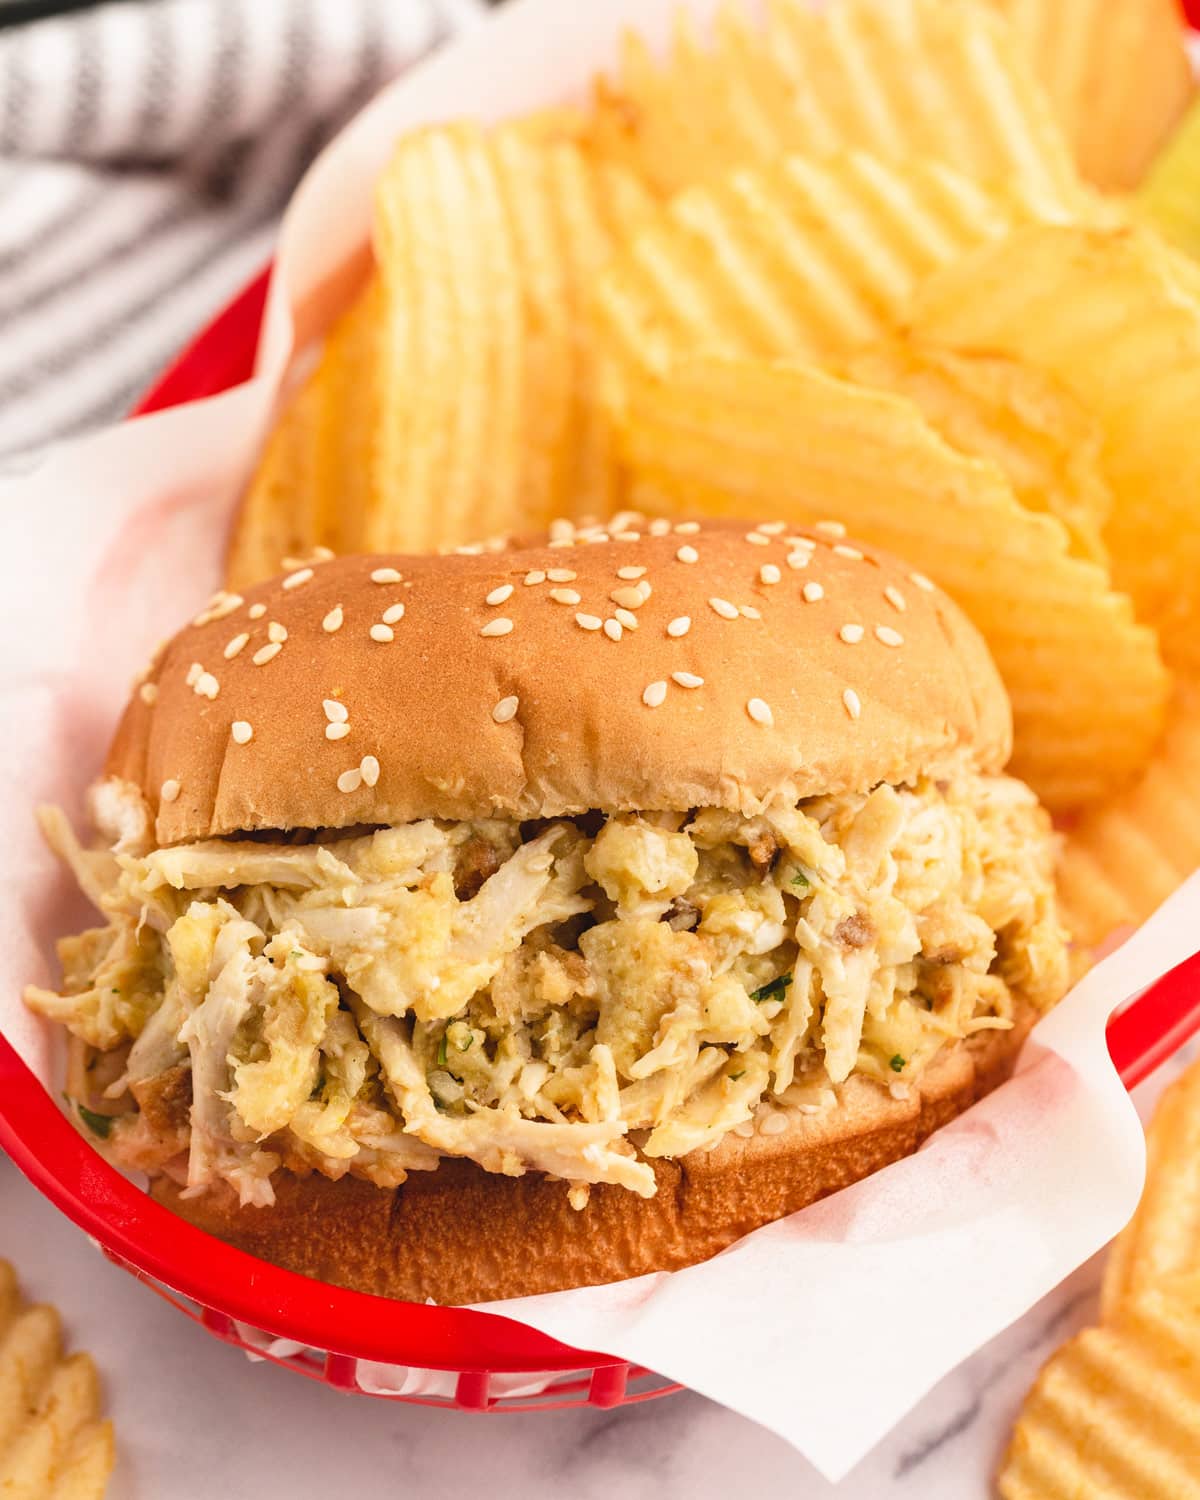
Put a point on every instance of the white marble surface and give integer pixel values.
(195, 1419)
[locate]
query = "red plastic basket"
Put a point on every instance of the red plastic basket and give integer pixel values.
(329, 1332)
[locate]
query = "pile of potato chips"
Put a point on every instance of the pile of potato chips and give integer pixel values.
(53, 1445)
(864, 262)
(1116, 1412)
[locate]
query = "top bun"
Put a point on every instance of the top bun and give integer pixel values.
(481, 685)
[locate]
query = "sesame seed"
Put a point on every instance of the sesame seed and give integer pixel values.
(769, 573)
(506, 709)
(336, 731)
(350, 781)
(369, 769)
(256, 611)
(679, 626)
(565, 596)
(660, 526)
(655, 694)
(276, 632)
(774, 1124)
(207, 685)
(264, 654)
(749, 612)
(632, 574)
(812, 592)
(830, 528)
(335, 712)
(333, 620)
(851, 634)
(687, 679)
(148, 692)
(644, 589)
(627, 618)
(853, 705)
(589, 622)
(393, 613)
(757, 539)
(888, 636)
(922, 582)
(561, 529)
(535, 576)
(627, 536)
(169, 790)
(771, 528)
(628, 597)
(688, 555)
(760, 712)
(723, 608)
(322, 554)
(385, 575)
(687, 528)
(561, 575)
(895, 598)
(294, 580)
(499, 595)
(566, 542)
(799, 559)
(193, 672)
(382, 633)
(851, 552)
(235, 645)
(612, 629)
(500, 626)
(241, 731)
(470, 549)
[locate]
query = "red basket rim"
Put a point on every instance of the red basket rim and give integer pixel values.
(128, 1223)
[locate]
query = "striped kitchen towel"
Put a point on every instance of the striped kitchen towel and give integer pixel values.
(147, 149)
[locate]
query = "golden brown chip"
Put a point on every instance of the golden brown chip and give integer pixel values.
(1034, 431)
(1162, 1239)
(1117, 73)
(1115, 1413)
(1105, 313)
(801, 258)
(1123, 859)
(52, 1444)
(903, 77)
(760, 439)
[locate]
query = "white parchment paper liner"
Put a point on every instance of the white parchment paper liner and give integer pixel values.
(826, 1327)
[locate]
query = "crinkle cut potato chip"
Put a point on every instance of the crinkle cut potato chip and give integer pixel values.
(53, 1445)
(1117, 73)
(1123, 859)
(743, 437)
(313, 482)
(1106, 313)
(801, 258)
(1162, 1240)
(1115, 1413)
(987, 406)
(906, 77)
(1169, 198)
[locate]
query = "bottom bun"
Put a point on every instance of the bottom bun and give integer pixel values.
(460, 1234)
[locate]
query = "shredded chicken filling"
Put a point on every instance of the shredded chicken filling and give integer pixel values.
(576, 998)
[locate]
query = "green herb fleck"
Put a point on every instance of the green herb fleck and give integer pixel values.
(441, 1052)
(98, 1124)
(897, 1064)
(733, 1077)
(801, 880)
(115, 990)
(467, 1045)
(776, 990)
(296, 953)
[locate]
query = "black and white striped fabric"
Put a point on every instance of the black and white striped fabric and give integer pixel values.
(147, 149)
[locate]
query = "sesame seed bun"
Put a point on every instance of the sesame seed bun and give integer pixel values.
(387, 689)
(460, 1234)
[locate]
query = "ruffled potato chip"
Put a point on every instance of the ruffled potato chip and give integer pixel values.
(728, 436)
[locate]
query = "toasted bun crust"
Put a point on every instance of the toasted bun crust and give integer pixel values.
(460, 1234)
(844, 713)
